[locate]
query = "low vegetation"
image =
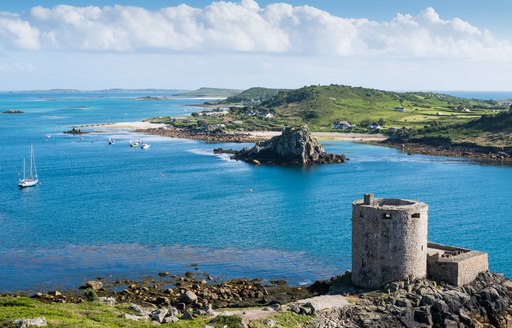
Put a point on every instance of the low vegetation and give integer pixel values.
(418, 115)
(95, 314)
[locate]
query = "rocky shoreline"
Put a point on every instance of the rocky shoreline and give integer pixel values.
(168, 298)
(194, 134)
(481, 153)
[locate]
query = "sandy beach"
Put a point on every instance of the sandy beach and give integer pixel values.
(256, 135)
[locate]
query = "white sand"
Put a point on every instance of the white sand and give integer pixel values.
(361, 137)
(130, 125)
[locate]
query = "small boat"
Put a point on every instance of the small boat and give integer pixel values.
(111, 141)
(48, 136)
(135, 143)
(32, 179)
(144, 145)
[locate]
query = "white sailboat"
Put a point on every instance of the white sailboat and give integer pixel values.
(32, 179)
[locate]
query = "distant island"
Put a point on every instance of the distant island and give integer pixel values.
(13, 111)
(418, 122)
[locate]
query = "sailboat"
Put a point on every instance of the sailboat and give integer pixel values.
(32, 179)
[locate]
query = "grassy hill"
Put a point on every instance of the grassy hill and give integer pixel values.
(319, 106)
(253, 95)
(490, 131)
(210, 92)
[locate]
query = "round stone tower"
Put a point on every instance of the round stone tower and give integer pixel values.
(389, 240)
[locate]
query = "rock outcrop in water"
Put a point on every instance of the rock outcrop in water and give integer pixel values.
(294, 146)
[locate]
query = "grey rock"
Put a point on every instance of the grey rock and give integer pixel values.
(187, 315)
(294, 308)
(423, 316)
(139, 310)
(295, 145)
(171, 319)
(136, 317)
(94, 285)
(107, 300)
(159, 315)
(173, 312)
(427, 300)
(403, 302)
(34, 322)
(188, 297)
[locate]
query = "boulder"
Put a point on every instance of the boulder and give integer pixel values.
(34, 322)
(159, 315)
(188, 297)
(295, 146)
(94, 285)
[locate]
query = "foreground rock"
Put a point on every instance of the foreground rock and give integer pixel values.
(486, 302)
(25, 323)
(294, 146)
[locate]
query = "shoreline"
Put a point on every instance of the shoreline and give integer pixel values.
(196, 298)
(451, 151)
(164, 130)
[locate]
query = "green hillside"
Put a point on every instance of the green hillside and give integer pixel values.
(492, 131)
(253, 95)
(319, 106)
(210, 92)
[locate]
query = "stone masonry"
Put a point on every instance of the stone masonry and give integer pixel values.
(389, 243)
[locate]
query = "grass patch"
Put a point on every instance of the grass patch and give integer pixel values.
(284, 320)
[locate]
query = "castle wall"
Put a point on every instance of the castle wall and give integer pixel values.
(389, 241)
(456, 266)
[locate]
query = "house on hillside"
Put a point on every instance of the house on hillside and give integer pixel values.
(400, 109)
(265, 115)
(342, 125)
(374, 127)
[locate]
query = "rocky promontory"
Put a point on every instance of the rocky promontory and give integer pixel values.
(295, 146)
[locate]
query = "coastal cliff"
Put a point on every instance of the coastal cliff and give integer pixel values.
(295, 145)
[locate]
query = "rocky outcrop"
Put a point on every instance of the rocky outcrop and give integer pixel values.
(13, 111)
(486, 302)
(295, 145)
(75, 131)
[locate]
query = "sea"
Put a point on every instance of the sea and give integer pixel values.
(118, 212)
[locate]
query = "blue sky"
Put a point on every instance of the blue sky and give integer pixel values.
(399, 44)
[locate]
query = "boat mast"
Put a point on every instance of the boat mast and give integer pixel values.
(24, 169)
(35, 167)
(31, 160)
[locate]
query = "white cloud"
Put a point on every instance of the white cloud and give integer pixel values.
(245, 27)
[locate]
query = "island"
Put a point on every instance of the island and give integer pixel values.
(13, 111)
(414, 122)
(295, 146)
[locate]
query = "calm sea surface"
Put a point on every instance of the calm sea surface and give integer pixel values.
(114, 211)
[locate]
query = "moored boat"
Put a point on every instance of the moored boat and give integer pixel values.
(32, 178)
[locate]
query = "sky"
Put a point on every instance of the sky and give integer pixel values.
(391, 45)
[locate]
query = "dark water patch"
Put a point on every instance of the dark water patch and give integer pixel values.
(68, 267)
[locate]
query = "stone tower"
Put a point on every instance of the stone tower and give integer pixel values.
(389, 240)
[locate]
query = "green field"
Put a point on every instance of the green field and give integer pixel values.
(427, 115)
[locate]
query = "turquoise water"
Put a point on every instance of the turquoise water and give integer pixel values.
(115, 211)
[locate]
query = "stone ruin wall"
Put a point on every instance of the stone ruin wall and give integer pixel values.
(457, 270)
